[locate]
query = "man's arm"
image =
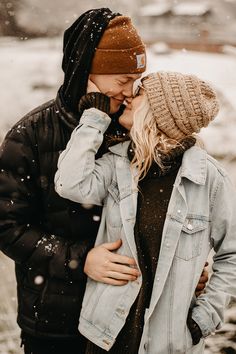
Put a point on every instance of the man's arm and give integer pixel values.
(22, 236)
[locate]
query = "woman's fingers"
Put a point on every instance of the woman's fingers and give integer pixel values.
(204, 277)
(200, 286)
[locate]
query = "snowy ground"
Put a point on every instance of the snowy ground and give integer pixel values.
(30, 74)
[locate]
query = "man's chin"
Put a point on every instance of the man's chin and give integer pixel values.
(115, 108)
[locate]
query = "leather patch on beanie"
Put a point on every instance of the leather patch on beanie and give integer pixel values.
(141, 61)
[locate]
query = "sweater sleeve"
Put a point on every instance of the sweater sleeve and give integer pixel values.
(22, 236)
(80, 177)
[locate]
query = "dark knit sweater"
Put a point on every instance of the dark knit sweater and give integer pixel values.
(153, 200)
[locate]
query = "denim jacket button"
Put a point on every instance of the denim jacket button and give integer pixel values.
(120, 311)
(189, 227)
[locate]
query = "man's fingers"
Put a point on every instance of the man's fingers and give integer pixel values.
(117, 258)
(119, 268)
(114, 281)
(205, 273)
(198, 293)
(200, 286)
(112, 246)
(204, 278)
(121, 276)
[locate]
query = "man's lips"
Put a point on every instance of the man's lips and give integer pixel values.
(118, 100)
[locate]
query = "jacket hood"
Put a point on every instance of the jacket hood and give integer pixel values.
(79, 43)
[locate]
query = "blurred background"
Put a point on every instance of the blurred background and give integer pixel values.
(181, 35)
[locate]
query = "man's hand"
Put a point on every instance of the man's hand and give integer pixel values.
(104, 266)
(202, 281)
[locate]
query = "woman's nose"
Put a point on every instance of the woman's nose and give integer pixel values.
(128, 100)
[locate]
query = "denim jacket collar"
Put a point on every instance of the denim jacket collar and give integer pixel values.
(193, 164)
(120, 149)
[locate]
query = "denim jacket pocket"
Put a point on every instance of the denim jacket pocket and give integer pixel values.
(191, 237)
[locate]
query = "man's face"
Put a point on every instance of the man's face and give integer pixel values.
(118, 87)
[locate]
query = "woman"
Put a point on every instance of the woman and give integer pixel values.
(170, 203)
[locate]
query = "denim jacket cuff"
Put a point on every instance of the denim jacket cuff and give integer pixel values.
(95, 118)
(203, 320)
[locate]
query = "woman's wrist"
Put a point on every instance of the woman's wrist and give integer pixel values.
(194, 329)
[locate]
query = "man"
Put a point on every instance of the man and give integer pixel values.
(49, 237)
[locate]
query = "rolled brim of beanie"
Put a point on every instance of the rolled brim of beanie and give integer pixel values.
(121, 61)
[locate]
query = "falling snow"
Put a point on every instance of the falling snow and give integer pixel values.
(38, 280)
(31, 56)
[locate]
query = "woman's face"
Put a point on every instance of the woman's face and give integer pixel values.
(126, 119)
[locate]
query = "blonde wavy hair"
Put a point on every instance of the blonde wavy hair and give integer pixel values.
(149, 142)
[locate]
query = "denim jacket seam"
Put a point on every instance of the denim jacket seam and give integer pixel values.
(98, 329)
(214, 197)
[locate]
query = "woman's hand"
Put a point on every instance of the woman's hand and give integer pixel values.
(103, 265)
(94, 99)
(202, 281)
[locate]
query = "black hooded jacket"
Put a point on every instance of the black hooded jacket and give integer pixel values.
(47, 236)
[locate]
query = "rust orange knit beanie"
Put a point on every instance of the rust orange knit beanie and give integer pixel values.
(120, 50)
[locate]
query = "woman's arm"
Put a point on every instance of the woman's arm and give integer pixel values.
(208, 312)
(80, 177)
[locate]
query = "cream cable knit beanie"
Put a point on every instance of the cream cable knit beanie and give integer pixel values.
(182, 104)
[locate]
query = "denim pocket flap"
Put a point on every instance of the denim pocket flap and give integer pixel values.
(192, 226)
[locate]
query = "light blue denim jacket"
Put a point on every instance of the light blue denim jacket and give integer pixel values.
(201, 215)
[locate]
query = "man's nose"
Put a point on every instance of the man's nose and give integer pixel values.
(128, 90)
